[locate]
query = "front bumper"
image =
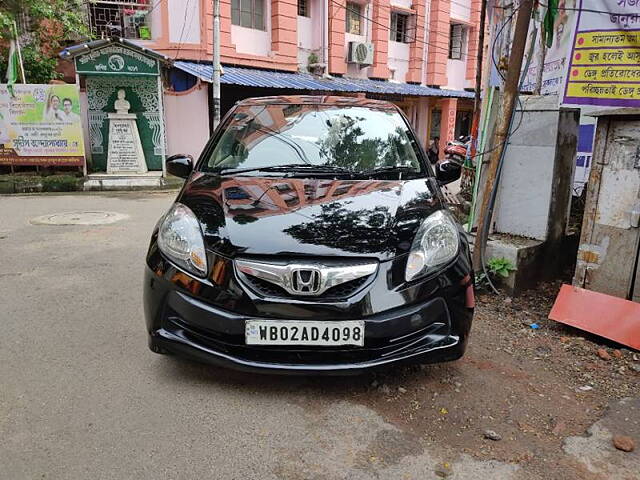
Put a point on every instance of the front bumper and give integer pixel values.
(423, 324)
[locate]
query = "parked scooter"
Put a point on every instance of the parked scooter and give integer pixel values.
(450, 169)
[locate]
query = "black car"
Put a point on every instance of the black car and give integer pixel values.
(310, 236)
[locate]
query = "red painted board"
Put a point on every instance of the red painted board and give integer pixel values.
(610, 317)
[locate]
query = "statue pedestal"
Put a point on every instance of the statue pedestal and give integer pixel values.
(125, 150)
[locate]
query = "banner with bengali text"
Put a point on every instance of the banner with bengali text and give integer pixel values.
(40, 125)
(556, 57)
(604, 67)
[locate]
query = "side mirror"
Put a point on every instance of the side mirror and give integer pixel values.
(448, 172)
(180, 165)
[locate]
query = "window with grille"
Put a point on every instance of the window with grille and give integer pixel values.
(303, 8)
(354, 18)
(399, 31)
(248, 13)
(456, 41)
(121, 18)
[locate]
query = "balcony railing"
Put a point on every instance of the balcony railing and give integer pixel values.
(121, 18)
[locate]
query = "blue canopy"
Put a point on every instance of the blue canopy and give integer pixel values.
(250, 77)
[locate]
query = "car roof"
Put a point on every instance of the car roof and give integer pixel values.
(317, 100)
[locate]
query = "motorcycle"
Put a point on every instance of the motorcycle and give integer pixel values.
(450, 169)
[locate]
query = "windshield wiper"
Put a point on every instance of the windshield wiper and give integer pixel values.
(292, 167)
(391, 168)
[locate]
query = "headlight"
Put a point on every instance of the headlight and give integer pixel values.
(180, 239)
(436, 243)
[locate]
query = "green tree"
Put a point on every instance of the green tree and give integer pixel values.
(44, 28)
(353, 230)
(348, 145)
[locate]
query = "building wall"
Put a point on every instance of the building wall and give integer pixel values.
(399, 61)
(381, 15)
(288, 39)
(184, 21)
(398, 53)
(250, 41)
(310, 31)
(185, 131)
(461, 10)
(439, 24)
(457, 69)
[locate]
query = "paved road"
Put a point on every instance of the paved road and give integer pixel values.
(81, 396)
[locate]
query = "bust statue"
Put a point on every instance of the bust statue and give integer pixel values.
(121, 105)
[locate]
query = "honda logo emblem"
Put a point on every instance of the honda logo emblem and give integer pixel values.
(305, 281)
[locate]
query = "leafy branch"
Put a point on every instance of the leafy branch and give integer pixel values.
(44, 28)
(495, 267)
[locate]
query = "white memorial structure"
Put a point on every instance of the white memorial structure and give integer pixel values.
(125, 154)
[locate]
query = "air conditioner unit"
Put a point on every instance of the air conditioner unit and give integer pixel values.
(361, 53)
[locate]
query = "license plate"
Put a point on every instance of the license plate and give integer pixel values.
(287, 332)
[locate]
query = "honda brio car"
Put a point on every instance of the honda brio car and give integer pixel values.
(310, 236)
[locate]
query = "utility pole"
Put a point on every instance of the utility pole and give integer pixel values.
(215, 97)
(477, 101)
(479, 62)
(501, 132)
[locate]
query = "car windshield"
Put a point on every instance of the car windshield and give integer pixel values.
(317, 138)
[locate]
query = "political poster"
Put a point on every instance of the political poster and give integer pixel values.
(556, 56)
(40, 125)
(604, 67)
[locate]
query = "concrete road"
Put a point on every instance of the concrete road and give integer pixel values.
(81, 396)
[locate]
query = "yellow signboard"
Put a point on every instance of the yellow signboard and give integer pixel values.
(604, 67)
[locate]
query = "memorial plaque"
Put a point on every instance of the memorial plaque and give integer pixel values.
(123, 154)
(125, 150)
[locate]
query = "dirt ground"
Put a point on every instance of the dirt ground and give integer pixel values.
(536, 388)
(81, 395)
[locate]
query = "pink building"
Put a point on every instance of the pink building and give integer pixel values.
(420, 54)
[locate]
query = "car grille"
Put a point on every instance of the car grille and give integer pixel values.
(268, 289)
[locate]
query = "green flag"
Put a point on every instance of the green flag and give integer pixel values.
(12, 67)
(549, 21)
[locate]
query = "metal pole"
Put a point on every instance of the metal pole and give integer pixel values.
(215, 104)
(477, 101)
(541, 58)
(477, 98)
(505, 114)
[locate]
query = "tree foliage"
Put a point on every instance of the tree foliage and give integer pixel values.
(44, 28)
(349, 144)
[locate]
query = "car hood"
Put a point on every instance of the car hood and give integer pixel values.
(248, 215)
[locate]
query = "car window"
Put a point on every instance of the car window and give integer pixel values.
(355, 138)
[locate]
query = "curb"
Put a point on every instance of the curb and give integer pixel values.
(67, 183)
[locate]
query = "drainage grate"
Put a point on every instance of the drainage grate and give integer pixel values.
(79, 218)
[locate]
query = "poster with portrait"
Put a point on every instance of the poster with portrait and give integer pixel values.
(555, 57)
(40, 125)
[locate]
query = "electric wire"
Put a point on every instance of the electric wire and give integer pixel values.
(493, 60)
(588, 10)
(494, 190)
(478, 154)
(487, 219)
(184, 22)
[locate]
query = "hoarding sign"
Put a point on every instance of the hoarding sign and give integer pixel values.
(555, 57)
(40, 125)
(116, 60)
(605, 59)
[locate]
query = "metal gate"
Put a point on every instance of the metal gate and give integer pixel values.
(609, 251)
